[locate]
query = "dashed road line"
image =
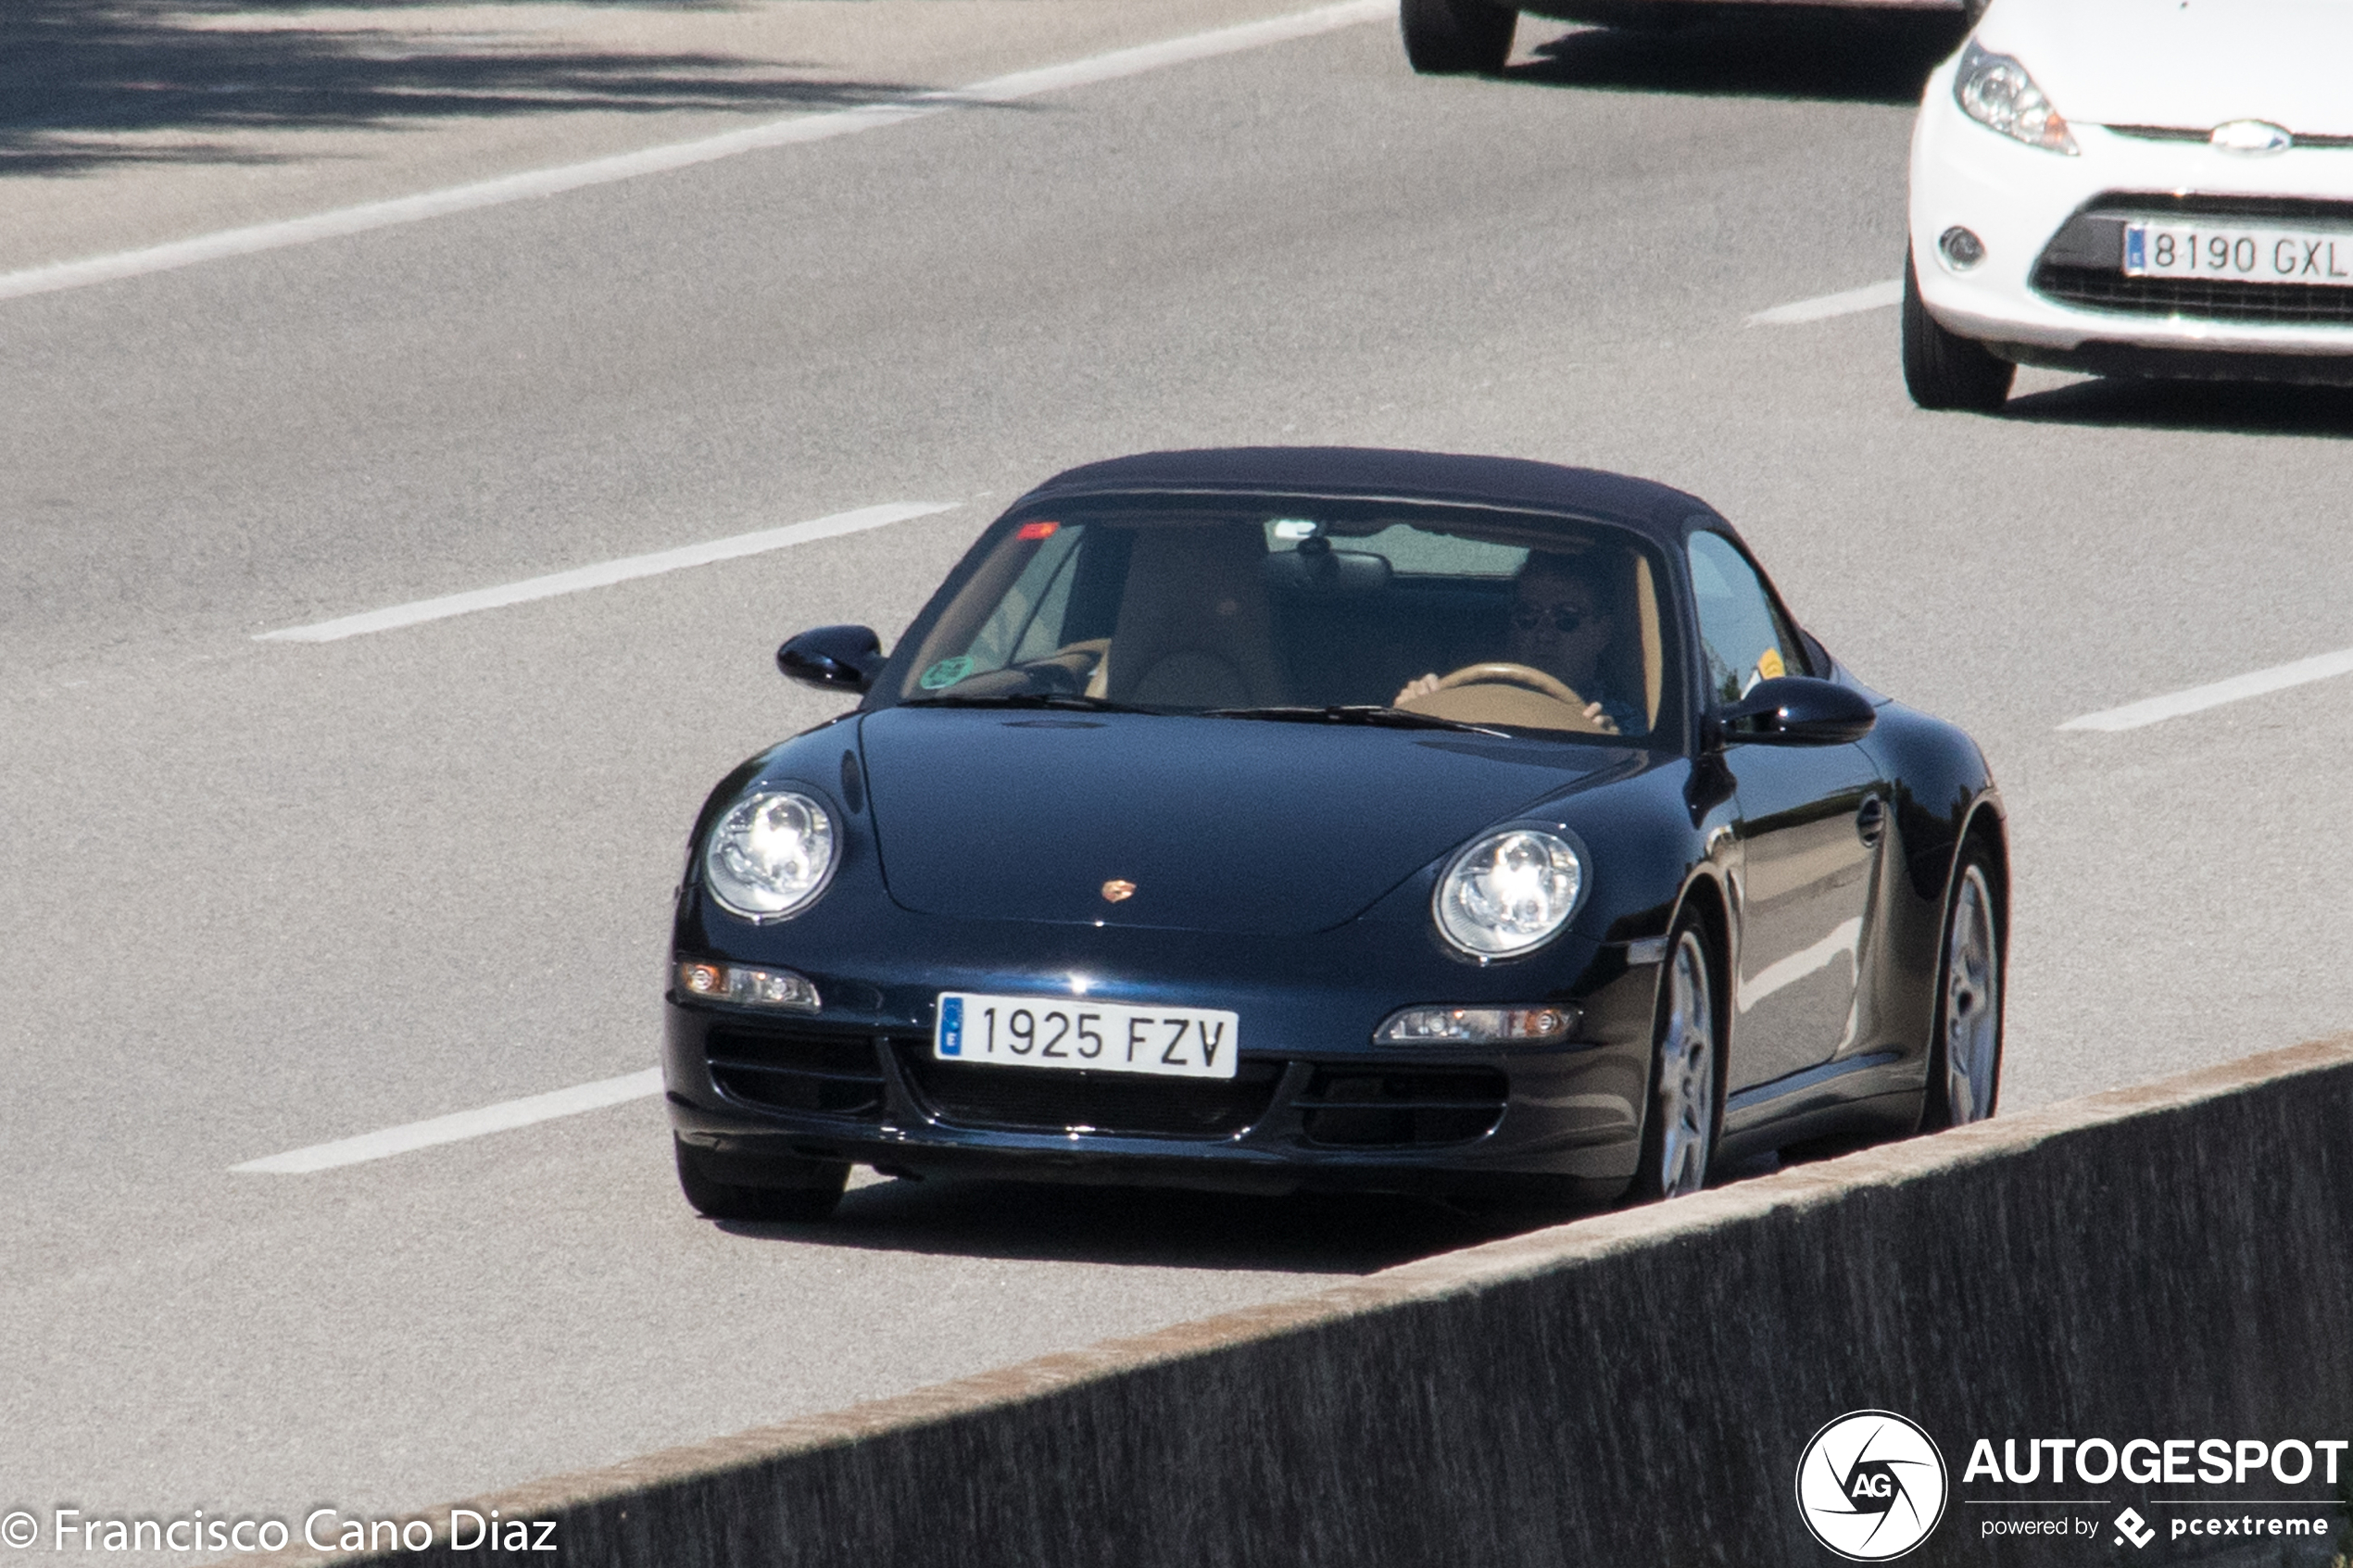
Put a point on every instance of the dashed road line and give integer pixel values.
(2157, 710)
(605, 575)
(457, 1127)
(1871, 296)
(342, 221)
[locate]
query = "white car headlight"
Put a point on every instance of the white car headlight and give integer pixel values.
(771, 854)
(1994, 90)
(1509, 892)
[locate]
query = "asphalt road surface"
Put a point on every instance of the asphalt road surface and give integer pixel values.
(265, 895)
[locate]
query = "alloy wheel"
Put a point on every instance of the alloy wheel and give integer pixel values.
(1972, 1014)
(1686, 1073)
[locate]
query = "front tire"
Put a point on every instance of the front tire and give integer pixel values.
(1679, 1127)
(1457, 37)
(1965, 1055)
(1944, 370)
(802, 1191)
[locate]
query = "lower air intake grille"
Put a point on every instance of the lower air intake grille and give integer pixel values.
(2220, 300)
(1400, 1106)
(2084, 264)
(1032, 1099)
(799, 1069)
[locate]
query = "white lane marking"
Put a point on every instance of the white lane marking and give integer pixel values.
(818, 127)
(1783, 973)
(459, 1126)
(2156, 709)
(1871, 296)
(607, 575)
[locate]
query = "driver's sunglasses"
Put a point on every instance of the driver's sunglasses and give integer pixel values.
(1565, 618)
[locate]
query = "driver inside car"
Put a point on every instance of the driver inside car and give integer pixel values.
(1562, 625)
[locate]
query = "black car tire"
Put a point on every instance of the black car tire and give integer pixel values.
(1944, 370)
(1686, 1100)
(806, 1190)
(1969, 999)
(1457, 37)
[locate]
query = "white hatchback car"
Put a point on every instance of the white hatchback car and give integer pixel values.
(2134, 187)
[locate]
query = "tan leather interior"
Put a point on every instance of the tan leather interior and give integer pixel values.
(1654, 654)
(1495, 703)
(1194, 628)
(1485, 694)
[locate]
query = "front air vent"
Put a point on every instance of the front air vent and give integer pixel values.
(798, 1068)
(1390, 1107)
(1032, 1100)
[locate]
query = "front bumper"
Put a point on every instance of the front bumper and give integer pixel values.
(1314, 1104)
(2017, 199)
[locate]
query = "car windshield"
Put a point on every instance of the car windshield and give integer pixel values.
(1320, 612)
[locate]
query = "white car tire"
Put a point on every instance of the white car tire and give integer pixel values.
(1457, 37)
(1944, 370)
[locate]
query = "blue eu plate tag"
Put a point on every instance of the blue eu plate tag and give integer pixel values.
(951, 1025)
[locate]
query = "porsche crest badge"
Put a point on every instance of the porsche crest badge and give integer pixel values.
(1118, 890)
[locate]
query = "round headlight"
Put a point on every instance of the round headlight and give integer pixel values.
(1509, 892)
(770, 854)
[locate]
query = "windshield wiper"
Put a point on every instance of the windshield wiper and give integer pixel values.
(1077, 700)
(1356, 713)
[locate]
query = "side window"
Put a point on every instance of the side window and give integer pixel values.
(1742, 637)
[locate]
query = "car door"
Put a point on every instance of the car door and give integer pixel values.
(1808, 823)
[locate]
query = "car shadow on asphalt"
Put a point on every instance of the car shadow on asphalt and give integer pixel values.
(85, 87)
(1315, 1233)
(1772, 52)
(2222, 407)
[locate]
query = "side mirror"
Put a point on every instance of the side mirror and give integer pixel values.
(836, 657)
(1798, 711)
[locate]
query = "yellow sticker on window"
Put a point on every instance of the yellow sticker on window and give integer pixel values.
(1769, 666)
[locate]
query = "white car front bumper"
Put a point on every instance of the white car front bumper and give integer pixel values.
(2017, 199)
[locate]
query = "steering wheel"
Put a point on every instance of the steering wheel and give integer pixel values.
(1503, 674)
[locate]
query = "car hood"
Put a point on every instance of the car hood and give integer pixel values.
(2186, 64)
(1221, 824)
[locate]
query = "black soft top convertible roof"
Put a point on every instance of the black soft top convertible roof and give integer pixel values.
(1659, 510)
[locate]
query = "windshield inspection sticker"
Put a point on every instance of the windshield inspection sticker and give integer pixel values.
(946, 672)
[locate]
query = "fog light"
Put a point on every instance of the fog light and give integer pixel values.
(747, 987)
(1960, 248)
(1475, 1026)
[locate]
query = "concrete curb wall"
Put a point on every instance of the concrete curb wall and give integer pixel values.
(2165, 1260)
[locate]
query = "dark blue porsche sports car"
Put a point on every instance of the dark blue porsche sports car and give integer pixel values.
(1274, 819)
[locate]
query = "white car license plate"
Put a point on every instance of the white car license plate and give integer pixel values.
(2240, 254)
(1072, 1033)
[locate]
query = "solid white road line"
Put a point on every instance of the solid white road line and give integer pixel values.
(2156, 709)
(606, 575)
(459, 1126)
(1871, 297)
(681, 154)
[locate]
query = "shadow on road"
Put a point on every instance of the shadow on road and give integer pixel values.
(79, 79)
(2222, 407)
(1163, 1228)
(1767, 52)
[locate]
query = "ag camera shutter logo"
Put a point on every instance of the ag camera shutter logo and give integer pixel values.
(1871, 1485)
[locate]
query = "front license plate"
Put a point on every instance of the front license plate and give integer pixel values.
(2239, 255)
(1068, 1033)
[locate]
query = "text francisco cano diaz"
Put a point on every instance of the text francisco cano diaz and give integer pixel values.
(323, 1529)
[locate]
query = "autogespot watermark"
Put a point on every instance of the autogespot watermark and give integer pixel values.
(323, 1529)
(1871, 1485)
